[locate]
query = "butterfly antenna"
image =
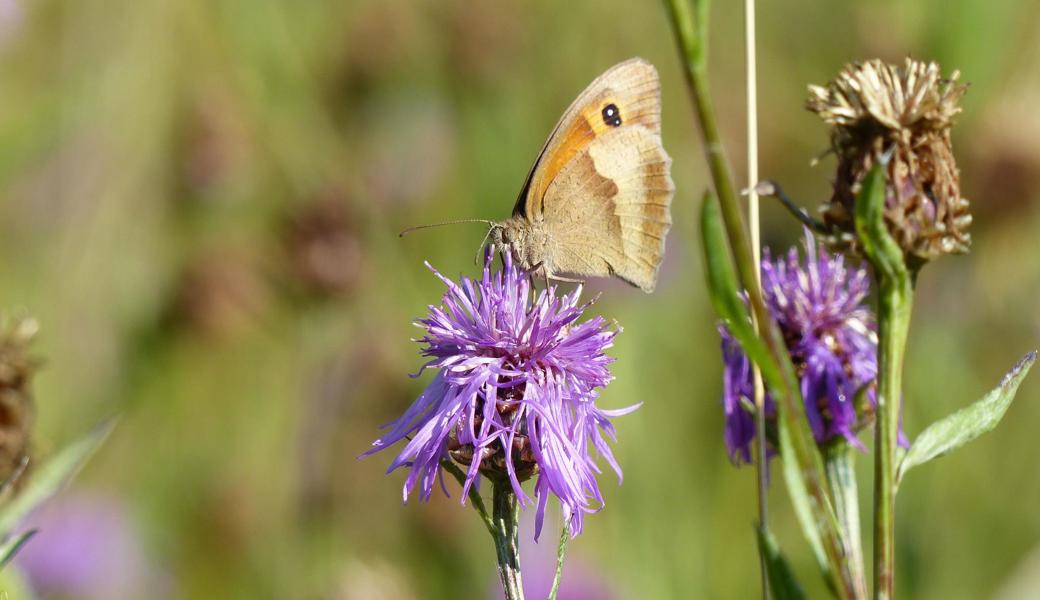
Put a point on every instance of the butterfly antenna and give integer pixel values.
(455, 222)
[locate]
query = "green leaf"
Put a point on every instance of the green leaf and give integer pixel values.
(782, 582)
(10, 548)
(726, 299)
(800, 500)
(968, 423)
(725, 294)
(50, 477)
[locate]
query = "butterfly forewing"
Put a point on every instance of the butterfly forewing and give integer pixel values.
(597, 200)
(631, 88)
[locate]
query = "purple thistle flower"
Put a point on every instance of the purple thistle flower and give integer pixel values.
(88, 547)
(514, 395)
(830, 335)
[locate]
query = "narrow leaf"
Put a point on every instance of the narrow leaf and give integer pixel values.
(800, 498)
(10, 548)
(968, 423)
(725, 295)
(782, 582)
(722, 287)
(50, 477)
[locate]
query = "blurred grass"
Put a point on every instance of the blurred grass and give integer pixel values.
(153, 157)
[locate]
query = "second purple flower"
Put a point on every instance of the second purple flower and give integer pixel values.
(819, 306)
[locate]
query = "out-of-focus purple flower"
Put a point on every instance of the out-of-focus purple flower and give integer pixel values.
(830, 335)
(11, 15)
(86, 547)
(514, 395)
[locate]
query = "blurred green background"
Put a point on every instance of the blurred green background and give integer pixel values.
(201, 202)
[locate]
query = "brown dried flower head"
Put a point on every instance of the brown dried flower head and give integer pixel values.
(16, 406)
(873, 108)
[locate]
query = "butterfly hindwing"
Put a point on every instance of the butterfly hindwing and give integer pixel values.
(608, 210)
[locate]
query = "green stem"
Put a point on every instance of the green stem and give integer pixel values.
(840, 462)
(690, 30)
(894, 307)
(561, 550)
(505, 512)
(895, 301)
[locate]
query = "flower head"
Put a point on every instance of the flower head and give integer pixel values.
(514, 395)
(873, 108)
(830, 335)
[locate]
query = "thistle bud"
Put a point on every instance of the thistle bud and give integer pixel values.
(874, 108)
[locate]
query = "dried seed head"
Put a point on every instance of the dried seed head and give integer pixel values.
(16, 407)
(874, 107)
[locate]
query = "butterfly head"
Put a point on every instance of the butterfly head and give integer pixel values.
(507, 233)
(515, 235)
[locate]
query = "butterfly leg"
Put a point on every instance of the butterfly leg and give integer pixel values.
(543, 273)
(566, 279)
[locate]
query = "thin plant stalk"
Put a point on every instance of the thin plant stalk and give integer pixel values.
(690, 30)
(840, 462)
(761, 457)
(895, 302)
(505, 512)
(561, 551)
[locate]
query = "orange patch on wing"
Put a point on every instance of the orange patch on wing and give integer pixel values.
(576, 139)
(588, 124)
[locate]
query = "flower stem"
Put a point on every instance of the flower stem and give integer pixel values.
(561, 550)
(505, 512)
(690, 28)
(895, 302)
(840, 462)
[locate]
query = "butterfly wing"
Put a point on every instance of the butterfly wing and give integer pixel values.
(631, 87)
(609, 209)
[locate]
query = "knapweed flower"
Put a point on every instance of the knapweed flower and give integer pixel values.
(874, 108)
(514, 395)
(830, 335)
(87, 546)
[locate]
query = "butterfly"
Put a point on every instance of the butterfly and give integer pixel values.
(597, 201)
